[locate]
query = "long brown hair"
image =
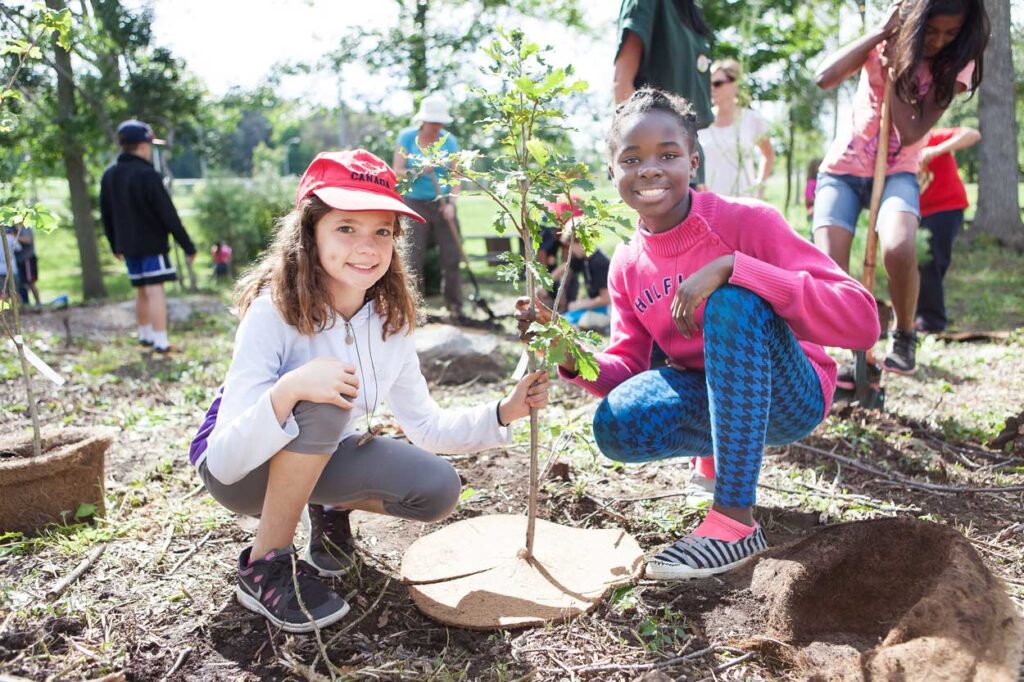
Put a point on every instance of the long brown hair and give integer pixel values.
(969, 44)
(290, 269)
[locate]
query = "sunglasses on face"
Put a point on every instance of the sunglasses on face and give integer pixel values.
(718, 84)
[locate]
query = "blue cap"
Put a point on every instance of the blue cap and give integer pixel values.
(134, 132)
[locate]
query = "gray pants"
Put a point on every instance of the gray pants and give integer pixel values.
(411, 482)
(446, 246)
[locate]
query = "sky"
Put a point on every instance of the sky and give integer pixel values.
(234, 43)
(228, 43)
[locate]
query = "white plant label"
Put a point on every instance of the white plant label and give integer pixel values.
(524, 363)
(39, 363)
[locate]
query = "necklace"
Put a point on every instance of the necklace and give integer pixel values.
(371, 430)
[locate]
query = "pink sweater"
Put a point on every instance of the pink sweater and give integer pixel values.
(821, 303)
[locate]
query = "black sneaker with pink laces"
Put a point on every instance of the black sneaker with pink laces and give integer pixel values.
(267, 587)
(331, 550)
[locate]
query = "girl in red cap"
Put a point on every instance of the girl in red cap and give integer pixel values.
(325, 337)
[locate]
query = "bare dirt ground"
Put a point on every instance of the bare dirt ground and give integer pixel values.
(158, 603)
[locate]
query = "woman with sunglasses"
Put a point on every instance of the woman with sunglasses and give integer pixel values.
(735, 140)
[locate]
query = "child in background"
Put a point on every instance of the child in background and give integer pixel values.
(325, 337)
(589, 311)
(221, 254)
(553, 250)
(742, 306)
(14, 247)
(943, 200)
(930, 50)
(28, 264)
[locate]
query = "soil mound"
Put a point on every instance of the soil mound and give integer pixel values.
(888, 599)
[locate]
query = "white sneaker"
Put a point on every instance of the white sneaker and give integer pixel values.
(700, 491)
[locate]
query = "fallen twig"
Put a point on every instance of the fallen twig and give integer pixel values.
(642, 667)
(188, 554)
(908, 482)
(300, 668)
(312, 621)
(728, 664)
(373, 606)
(643, 498)
(603, 508)
(177, 663)
(165, 546)
(81, 568)
(818, 492)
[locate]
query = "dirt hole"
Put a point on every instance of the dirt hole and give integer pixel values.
(875, 600)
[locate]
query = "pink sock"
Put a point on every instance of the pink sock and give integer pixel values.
(706, 467)
(720, 527)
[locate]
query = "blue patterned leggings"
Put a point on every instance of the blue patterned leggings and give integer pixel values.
(758, 388)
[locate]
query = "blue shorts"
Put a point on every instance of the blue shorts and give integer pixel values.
(838, 199)
(150, 270)
(599, 315)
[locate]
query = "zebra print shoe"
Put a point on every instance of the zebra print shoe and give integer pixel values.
(697, 557)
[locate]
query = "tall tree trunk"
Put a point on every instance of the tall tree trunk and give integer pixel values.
(74, 166)
(419, 79)
(998, 211)
(791, 149)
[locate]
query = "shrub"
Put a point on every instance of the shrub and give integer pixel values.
(242, 211)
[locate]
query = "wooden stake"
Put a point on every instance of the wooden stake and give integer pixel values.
(877, 186)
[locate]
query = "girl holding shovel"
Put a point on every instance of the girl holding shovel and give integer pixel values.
(927, 51)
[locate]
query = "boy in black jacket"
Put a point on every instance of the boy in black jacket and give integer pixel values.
(138, 215)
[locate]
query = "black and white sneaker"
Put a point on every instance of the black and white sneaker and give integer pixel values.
(266, 586)
(902, 354)
(331, 549)
(697, 557)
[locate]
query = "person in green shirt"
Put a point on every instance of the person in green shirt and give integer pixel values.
(665, 44)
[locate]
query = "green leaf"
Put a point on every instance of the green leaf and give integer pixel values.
(586, 365)
(85, 510)
(539, 151)
(554, 79)
(525, 85)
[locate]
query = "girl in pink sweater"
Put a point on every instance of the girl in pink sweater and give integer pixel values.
(742, 306)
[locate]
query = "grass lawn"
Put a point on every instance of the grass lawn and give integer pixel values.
(984, 284)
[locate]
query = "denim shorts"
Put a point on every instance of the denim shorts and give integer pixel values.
(838, 199)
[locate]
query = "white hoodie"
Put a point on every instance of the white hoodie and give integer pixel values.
(247, 433)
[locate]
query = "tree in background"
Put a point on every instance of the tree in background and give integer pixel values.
(776, 40)
(998, 210)
(430, 43)
(73, 97)
(74, 166)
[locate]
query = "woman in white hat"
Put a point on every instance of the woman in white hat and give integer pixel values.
(430, 197)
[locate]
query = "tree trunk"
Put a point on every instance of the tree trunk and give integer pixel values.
(791, 143)
(419, 79)
(74, 166)
(998, 211)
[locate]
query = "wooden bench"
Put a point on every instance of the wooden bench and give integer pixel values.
(494, 245)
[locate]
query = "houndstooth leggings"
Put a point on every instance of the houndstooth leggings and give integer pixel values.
(758, 389)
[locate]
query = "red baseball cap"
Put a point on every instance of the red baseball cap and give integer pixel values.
(353, 181)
